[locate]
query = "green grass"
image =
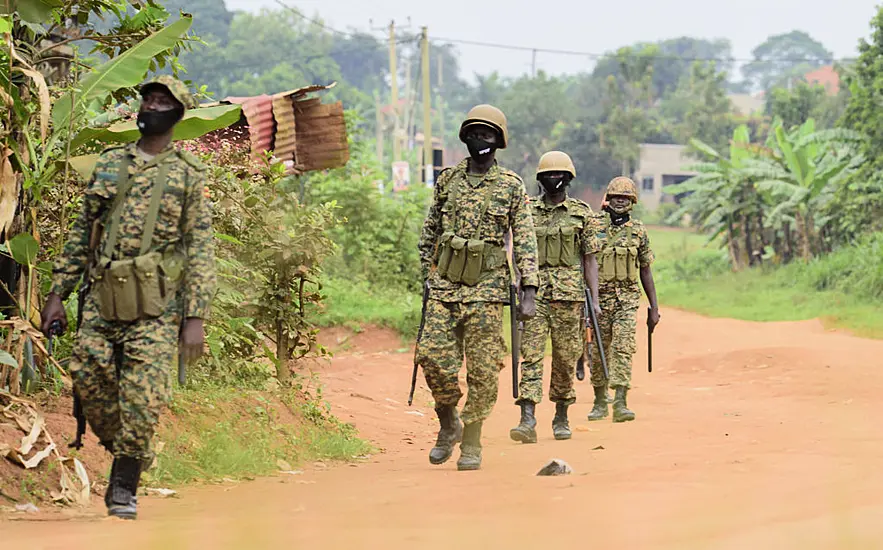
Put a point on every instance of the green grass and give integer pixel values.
(843, 288)
(351, 304)
(217, 433)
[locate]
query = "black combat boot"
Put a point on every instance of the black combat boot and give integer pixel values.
(124, 487)
(450, 433)
(526, 431)
(599, 411)
(560, 426)
(621, 413)
(470, 449)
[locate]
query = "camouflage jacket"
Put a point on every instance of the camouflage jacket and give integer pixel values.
(184, 220)
(610, 235)
(565, 283)
(508, 208)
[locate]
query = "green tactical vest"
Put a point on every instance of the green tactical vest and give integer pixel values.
(618, 260)
(466, 260)
(558, 245)
(141, 287)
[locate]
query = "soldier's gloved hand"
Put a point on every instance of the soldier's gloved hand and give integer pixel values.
(192, 339)
(53, 311)
(597, 307)
(528, 307)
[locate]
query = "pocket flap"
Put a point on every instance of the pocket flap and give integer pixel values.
(458, 243)
(568, 230)
(475, 245)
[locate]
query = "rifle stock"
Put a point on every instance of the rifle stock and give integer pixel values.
(419, 337)
(597, 330)
(649, 342)
(513, 328)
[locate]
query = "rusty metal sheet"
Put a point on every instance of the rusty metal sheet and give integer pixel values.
(285, 143)
(321, 135)
(261, 124)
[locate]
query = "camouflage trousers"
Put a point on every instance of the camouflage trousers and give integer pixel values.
(122, 373)
(564, 321)
(618, 322)
(455, 329)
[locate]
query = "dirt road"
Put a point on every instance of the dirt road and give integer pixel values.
(748, 436)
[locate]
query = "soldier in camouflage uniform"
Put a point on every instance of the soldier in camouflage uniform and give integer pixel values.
(565, 244)
(624, 258)
(143, 240)
(475, 205)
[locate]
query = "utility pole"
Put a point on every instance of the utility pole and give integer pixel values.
(394, 92)
(439, 104)
(427, 109)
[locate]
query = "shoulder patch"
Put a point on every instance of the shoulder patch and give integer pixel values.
(191, 159)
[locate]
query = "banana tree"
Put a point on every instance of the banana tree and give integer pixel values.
(719, 199)
(42, 144)
(803, 167)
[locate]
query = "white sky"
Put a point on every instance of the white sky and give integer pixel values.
(593, 26)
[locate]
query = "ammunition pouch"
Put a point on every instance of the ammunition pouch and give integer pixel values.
(467, 260)
(620, 263)
(134, 289)
(557, 246)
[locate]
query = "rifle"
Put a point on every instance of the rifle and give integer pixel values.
(514, 325)
(597, 331)
(649, 342)
(419, 337)
(586, 357)
(78, 413)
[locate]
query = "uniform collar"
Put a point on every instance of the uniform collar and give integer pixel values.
(132, 152)
(491, 174)
(541, 201)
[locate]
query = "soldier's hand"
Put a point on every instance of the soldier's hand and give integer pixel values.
(653, 318)
(597, 307)
(192, 340)
(53, 311)
(528, 307)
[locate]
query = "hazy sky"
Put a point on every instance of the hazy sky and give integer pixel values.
(593, 26)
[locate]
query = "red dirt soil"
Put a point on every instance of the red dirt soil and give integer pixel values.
(748, 436)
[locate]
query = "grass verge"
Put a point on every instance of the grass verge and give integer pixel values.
(217, 433)
(351, 304)
(843, 289)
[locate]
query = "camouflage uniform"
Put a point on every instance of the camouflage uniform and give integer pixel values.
(619, 303)
(121, 371)
(559, 307)
(463, 319)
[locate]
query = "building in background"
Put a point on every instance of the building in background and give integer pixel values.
(659, 166)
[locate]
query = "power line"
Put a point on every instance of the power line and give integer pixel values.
(597, 56)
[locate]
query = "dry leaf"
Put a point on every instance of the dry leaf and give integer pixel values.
(4, 450)
(284, 466)
(28, 441)
(35, 460)
(83, 496)
(8, 191)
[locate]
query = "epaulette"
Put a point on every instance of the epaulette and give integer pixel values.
(191, 159)
(507, 172)
(581, 204)
(113, 148)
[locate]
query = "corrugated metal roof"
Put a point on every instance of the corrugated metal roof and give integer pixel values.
(300, 131)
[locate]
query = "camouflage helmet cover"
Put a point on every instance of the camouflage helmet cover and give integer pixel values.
(622, 186)
(174, 86)
(490, 116)
(556, 161)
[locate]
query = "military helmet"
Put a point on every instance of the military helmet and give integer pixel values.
(623, 187)
(490, 116)
(556, 161)
(174, 86)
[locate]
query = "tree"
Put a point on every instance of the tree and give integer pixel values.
(796, 105)
(785, 56)
(629, 106)
(700, 109)
(673, 60)
(804, 167)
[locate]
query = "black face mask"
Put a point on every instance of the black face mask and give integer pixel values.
(617, 218)
(154, 123)
(553, 184)
(479, 149)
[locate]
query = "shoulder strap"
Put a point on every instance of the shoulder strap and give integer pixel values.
(485, 205)
(124, 182)
(153, 211)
